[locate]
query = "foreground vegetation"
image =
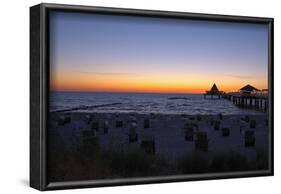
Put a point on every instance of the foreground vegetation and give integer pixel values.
(89, 161)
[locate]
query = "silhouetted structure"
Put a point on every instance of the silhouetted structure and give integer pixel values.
(213, 92)
(248, 89)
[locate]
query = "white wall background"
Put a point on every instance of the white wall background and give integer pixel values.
(14, 98)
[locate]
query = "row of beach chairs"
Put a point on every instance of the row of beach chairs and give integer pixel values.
(200, 138)
(147, 143)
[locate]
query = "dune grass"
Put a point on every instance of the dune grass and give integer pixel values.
(89, 161)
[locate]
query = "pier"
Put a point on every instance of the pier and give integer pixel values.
(257, 102)
(246, 97)
(249, 97)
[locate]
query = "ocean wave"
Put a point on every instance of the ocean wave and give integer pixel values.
(178, 98)
(83, 107)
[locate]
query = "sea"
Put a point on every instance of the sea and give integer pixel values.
(104, 102)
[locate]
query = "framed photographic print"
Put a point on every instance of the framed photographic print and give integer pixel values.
(124, 96)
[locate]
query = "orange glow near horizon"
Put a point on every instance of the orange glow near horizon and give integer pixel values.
(157, 82)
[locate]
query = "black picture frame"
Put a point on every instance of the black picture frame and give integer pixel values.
(39, 94)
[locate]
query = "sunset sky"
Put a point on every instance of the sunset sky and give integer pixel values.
(103, 53)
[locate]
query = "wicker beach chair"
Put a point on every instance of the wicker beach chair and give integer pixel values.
(201, 142)
(148, 144)
(250, 138)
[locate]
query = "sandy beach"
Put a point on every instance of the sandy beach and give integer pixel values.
(169, 138)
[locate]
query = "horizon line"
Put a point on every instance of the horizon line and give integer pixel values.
(126, 92)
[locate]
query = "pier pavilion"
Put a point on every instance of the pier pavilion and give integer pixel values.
(248, 90)
(214, 93)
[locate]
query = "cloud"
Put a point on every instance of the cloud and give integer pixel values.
(240, 76)
(107, 74)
